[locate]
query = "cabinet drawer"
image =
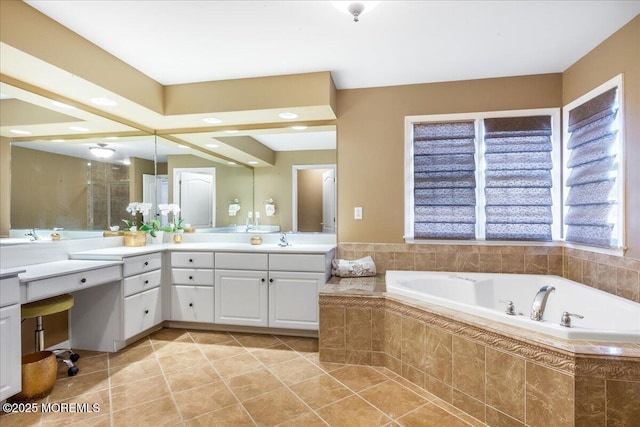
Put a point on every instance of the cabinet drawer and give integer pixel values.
(297, 262)
(39, 289)
(192, 259)
(141, 312)
(141, 282)
(241, 261)
(141, 264)
(180, 276)
(192, 303)
(9, 291)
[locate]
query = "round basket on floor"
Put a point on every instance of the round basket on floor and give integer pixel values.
(39, 372)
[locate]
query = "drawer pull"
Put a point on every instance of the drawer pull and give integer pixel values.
(83, 280)
(146, 263)
(190, 277)
(146, 311)
(190, 260)
(146, 282)
(190, 304)
(270, 280)
(262, 280)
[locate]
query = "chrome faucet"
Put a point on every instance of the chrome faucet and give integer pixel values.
(539, 302)
(283, 240)
(32, 234)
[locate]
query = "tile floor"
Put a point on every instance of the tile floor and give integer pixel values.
(177, 377)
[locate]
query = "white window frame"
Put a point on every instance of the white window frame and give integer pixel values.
(620, 226)
(478, 117)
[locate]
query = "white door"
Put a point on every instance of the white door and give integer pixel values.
(241, 297)
(329, 201)
(293, 299)
(197, 199)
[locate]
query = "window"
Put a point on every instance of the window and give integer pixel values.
(593, 167)
(486, 176)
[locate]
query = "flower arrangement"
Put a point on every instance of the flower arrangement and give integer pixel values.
(138, 210)
(175, 224)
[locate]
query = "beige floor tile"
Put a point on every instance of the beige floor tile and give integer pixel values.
(320, 391)
(430, 415)
(303, 345)
(295, 371)
(392, 398)
(67, 388)
(191, 377)
(274, 355)
(275, 407)
(137, 392)
(307, 420)
(414, 388)
(161, 412)
(201, 400)
(256, 341)
(26, 419)
(252, 384)
(238, 365)
(210, 337)
(166, 348)
(222, 350)
(231, 416)
(352, 412)
(358, 377)
(170, 334)
(123, 374)
(179, 361)
(99, 421)
(86, 365)
(130, 355)
(88, 407)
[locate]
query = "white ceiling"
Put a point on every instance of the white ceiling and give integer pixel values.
(399, 42)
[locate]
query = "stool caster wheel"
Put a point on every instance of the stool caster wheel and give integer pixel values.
(73, 371)
(74, 357)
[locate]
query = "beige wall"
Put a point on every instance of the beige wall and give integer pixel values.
(371, 141)
(620, 53)
(310, 200)
(5, 186)
(276, 183)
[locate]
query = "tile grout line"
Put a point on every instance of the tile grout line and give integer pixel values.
(164, 376)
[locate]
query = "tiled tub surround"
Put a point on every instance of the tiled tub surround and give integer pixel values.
(498, 374)
(614, 274)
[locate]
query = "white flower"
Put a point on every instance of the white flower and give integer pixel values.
(166, 208)
(135, 207)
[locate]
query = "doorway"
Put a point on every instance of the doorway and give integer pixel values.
(194, 190)
(314, 198)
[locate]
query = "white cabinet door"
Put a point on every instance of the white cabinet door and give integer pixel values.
(10, 351)
(141, 312)
(293, 299)
(241, 297)
(192, 303)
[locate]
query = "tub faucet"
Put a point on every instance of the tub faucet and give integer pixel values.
(539, 302)
(283, 240)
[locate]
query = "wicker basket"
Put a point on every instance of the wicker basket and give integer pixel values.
(135, 238)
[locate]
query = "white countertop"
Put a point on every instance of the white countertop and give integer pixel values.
(117, 253)
(60, 268)
(6, 273)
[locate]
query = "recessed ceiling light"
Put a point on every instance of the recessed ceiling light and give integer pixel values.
(253, 162)
(288, 115)
(79, 128)
(300, 127)
(232, 131)
(213, 145)
(212, 120)
(63, 105)
(20, 132)
(105, 102)
(184, 147)
(231, 163)
(57, 140)
(111, 137)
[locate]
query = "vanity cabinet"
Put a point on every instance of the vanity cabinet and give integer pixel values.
(241, 289)
(192, 290)
(142, 304)
(10, 341)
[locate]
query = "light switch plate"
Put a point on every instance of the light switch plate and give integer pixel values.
(357, 213)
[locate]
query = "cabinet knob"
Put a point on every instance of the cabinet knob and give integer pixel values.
(190, 260)
(262, 280)
(270, 280)
(146, 312)
(83, 280)
(190, 304)
(146, 263)
(146, 282)
(190, 277)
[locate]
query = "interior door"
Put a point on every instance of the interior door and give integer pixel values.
(329, 201)
(197, 199)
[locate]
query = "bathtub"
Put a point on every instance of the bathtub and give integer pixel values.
(606, 317)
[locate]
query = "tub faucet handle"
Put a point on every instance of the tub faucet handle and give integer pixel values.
(566, 318)
(510, 309)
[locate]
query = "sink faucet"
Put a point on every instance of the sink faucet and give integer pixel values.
(283, 240)
(539, 302)
(249, 225)
(32, 234)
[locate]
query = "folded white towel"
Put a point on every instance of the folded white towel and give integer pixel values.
(353, 268)
(233, 209)
(269, 209)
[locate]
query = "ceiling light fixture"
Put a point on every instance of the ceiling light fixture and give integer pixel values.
(232, 131)
(102, 151)
(105, 102)
(288, 115)
(212, 120)
(63, 105)
(253, 162)
(298, 127)
(355, 8)
(79, 128)
(231, 163)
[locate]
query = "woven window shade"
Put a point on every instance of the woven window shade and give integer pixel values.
(444, 180)
(593, 165)
(518, 178)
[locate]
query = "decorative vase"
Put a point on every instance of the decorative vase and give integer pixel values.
(177, 238)
(158, 239)
(135, 238)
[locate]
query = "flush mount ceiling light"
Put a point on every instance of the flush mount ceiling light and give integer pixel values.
(212, 120)
(232, 131)
(298, 127)
(253, 162)
(355, 8)
(288, 115)
(20, 132)
(102, 151)
(105, 102)
(79, 128)
(63, 105)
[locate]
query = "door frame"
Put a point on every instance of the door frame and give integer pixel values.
(294, 191)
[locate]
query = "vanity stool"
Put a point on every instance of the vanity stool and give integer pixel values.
(44, 307)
